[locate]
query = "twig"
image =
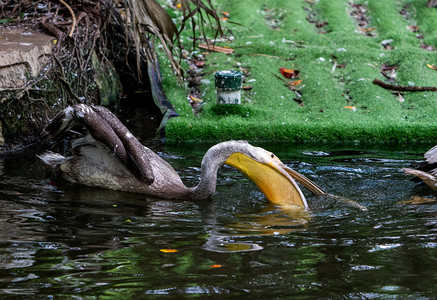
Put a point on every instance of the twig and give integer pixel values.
(216, 48)
(402, 88)
(53, 30)
(265, 55)
(72, 15)
(69, 88)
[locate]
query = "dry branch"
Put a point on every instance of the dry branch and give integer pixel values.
(225, 50)
(402, 88)
(72, 15)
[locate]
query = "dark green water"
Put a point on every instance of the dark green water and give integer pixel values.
(74, 241)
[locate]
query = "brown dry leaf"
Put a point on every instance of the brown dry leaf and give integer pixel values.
(226, 50)
(413, 28)
(294, 83)
(433, 67)
(245, 71)
(289, 73)
(367, 29)
(427, 47)
(419, 200)
(199, 63)
(247, 87)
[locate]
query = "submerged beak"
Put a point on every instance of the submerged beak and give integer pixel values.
(274, 179)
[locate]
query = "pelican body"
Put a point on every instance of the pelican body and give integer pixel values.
(109, 156)
(427, 170)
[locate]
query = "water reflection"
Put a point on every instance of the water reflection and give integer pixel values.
(85, 242)
(269, 220)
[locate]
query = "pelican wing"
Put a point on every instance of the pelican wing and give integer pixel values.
(429, 179)
(138, 156)
(107, 129)
(431, 155)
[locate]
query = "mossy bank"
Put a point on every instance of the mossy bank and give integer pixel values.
(339, 47)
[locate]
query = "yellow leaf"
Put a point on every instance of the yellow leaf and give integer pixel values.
(431, 66)
(351, 107)
(128, 221)
(216, 266)
(169, 250)
(192, 98)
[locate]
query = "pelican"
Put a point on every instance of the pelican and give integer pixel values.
(427, 170)
(109, 156)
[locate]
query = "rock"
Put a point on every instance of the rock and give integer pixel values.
(23, 53)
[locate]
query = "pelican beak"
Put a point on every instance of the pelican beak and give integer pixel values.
(272, 178)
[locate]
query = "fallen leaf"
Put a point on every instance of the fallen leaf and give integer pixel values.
(245, 71)
(247, 87)
(169, 250)
(192, 98)
(224, 18)
(419, 200)
(367, 29)
(433, 67)
(351, 107)
(294, 83)
(387, 44)
(427, 47)
(289, 73)
(225, 14)
(199, 63)
(413, 28)
(401, 98)
(196, 103)
(216, 266)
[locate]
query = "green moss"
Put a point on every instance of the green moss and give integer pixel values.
(231, 109)
(337, 69)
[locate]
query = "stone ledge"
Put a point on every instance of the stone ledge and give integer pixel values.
(23, 53)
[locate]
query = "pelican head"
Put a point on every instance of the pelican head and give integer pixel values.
(265, 169)
(273, 178)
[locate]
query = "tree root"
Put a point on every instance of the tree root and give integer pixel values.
(73, 26)
(402, 88)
